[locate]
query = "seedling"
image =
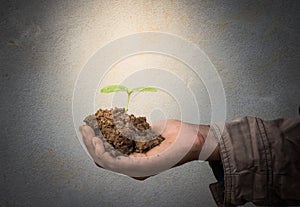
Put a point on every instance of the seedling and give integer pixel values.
(120, 88)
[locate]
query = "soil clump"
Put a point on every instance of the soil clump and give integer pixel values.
(123, 132)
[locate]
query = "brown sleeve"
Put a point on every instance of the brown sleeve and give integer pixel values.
(261, 161)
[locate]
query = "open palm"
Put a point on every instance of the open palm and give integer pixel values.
(182, 144)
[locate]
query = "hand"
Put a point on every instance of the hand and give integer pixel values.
(182, 144)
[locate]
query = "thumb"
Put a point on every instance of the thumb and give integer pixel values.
(158, 126)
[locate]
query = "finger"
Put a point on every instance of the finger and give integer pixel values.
(87, 137)
(87, 134)
(86, 130)
(99, 147)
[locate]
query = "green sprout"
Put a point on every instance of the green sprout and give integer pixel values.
(120, 88)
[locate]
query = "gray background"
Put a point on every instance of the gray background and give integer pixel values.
(254, 46)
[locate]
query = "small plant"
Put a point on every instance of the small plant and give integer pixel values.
(120, 88)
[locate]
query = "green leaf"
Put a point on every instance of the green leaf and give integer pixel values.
(114, 88)
(145, 89)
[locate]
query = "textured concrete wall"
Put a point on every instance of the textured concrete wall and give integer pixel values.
(254, 46)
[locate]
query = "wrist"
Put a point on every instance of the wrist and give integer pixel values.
(210, 148)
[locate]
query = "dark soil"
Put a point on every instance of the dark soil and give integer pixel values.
(123, 132)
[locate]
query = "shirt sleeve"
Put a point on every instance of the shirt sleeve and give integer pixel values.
(260, 161)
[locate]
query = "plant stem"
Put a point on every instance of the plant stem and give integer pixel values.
(128, 99)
